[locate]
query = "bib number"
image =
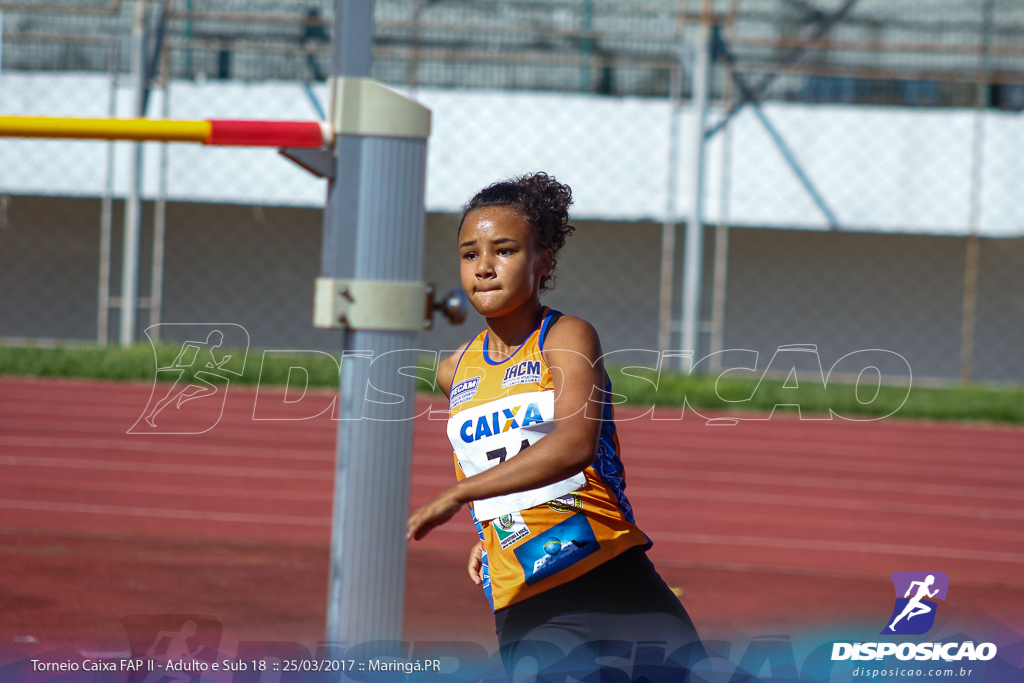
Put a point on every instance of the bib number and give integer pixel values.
(500, 453)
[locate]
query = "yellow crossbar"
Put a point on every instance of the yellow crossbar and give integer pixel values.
(104, 129)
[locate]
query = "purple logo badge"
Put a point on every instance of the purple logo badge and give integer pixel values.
(915, 608)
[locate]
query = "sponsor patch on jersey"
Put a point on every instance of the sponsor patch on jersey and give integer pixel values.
(510, 529)
(561, 546)
(463, 391)
(571, 502)
(499, 421)
(522, 373)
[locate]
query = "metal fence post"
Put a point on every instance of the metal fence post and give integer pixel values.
(133, 206)
(107, 214)
(668, 223)
(694, 240)
(972, 251)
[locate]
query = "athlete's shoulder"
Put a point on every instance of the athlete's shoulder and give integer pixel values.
(574, 334)
(446, 368)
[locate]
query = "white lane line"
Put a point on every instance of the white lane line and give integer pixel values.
(232, 517)
(215, 490)
(703, 494)
(321, 437)
(726, 454)
(824, 483)
(840, 546)
(156, 468)
(132, 443)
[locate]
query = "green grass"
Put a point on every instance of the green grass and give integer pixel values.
(972, 402)
(138, 363)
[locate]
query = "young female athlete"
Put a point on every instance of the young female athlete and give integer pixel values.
(560, 556)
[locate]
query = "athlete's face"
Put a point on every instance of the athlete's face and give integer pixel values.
(501, 264)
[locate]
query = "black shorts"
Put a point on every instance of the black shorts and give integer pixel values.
(619, 615)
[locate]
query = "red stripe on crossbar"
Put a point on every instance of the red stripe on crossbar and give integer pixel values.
(266, 133)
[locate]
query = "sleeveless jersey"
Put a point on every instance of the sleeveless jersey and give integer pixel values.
(538, 539)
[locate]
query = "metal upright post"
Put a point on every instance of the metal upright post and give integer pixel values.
(972, 255)
(720, 268)
(373, 234)
(133, 207)
(107, 214)
(694, 240)
(156, 287)
(668, 223)
(586, 45)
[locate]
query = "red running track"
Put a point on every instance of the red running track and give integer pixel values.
(769, 524)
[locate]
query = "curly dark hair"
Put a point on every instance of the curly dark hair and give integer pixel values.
(542, 200)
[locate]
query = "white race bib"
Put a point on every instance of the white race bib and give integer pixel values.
(488, 435)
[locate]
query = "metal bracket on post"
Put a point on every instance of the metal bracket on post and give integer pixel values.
(369, 305)
(380, 305)
(319, 162)
(362, 106)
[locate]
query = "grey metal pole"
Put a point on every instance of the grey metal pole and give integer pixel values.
(668, 224)
(156, 287)
(720, 269)
(373, 230)
(133, 207)
(972, 255)
(107, 215)
(694, 240)
(721, 264)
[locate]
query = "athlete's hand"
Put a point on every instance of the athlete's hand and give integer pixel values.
(435, 513)
(476, 563)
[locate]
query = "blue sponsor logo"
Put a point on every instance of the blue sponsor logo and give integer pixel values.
(561, 546)
(500, 421)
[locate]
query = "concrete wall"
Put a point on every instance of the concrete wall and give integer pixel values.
(255, 266)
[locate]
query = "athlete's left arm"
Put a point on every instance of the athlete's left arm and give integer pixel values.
(573, 352)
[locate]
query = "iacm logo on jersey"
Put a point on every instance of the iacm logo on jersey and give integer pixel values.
(500, 421)
(522, 373)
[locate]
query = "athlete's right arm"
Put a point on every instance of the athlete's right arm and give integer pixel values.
(446, 370)
(476, 563)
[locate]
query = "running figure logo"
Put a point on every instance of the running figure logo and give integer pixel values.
(173, 646)
(186, 641)
(914, 613)
(201, 369)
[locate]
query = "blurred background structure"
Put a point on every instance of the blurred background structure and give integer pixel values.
(859, 185)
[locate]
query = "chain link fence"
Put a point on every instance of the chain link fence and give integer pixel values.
(861, 161)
